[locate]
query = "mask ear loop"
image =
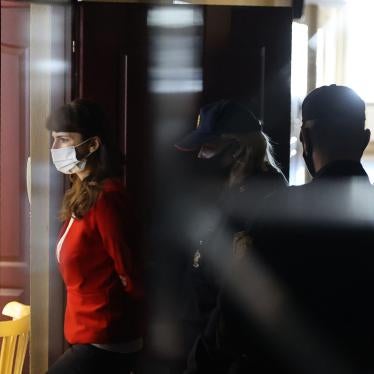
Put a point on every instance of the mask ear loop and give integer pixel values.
(84, 141)
(88, 154)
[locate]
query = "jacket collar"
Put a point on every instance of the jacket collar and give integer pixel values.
(341, 169)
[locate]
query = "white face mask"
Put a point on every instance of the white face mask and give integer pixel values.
(65, 159)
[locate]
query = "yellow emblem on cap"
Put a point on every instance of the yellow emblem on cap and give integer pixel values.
(198, 121)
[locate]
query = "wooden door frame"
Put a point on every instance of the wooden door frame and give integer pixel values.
(267, 3)
(49, 88)
(60, 93)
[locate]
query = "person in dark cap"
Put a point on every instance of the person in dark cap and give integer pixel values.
(230, 136)
(237, 170)
(216, 119)
(302, 301)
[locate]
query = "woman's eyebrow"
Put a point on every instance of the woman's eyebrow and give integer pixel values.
(61, 136)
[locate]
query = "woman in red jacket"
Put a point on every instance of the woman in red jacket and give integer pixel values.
(97, 251)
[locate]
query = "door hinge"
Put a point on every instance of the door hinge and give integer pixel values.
(73, 46)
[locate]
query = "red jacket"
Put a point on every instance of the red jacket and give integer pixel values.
(96, 252)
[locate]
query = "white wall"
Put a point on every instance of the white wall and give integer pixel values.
(370, 118)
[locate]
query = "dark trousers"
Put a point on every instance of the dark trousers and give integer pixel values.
(85, 358)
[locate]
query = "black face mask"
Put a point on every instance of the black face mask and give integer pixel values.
(308, 159)
(218, 167)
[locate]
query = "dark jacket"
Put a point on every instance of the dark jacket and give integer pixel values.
(206, 273)
(300, 302)
(212, 252)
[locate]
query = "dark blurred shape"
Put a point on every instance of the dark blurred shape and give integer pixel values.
(316, 240)
(297, 8)
(334, 103)
(298, 300)
(215, 119)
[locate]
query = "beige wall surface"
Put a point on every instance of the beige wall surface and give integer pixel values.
(370, 119)
(40, 83)
(278, 3)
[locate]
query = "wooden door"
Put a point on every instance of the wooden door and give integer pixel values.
(152, 67)
(14, 151)
(238, 51)
(110, 66)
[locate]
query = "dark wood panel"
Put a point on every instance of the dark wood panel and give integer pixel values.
(12, 273)
(246, 57)
(14, 150)
(102, 54)
(122, 50)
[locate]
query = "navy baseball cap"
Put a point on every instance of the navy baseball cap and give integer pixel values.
(333, 103)
(222, 117)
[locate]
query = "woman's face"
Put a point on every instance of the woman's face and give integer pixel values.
(65, 139)
(76, 163)
(214, 147)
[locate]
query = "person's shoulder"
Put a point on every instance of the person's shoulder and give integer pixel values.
(115, 196)
(273, 172)
(278, 206)
(112, 185)
(272, 177)
(289, 197)
(113, 193)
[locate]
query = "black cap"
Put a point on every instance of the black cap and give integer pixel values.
(222, 117)
(334, 103)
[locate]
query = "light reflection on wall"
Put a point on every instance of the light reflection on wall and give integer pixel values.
(52, 65)
(174, 64)
(344, 55)
(359, 64)
(360, 53)
(298, 91)
(175, 39)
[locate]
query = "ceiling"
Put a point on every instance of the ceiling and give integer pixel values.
(326, 2)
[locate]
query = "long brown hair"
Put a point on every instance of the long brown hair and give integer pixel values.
(86, 118)
(257, 156)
